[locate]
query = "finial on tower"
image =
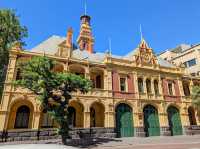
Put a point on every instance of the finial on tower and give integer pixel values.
(141, 35)
(85, 8)
(110, 45)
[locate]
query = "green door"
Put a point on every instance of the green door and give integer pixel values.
(124, 121)
(151, 121)
(174, 121)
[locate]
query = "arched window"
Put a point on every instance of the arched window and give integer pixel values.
(148, 86)
(140, 85)
(22, 117)
(156, 88)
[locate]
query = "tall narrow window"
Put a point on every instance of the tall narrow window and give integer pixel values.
(186, 89)
(98, 81)
(140, 85)
(170, 88)
(148, 85)
(123, 84)
(156, 89)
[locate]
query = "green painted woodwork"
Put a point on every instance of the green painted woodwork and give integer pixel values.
(174, 121)
(151, 121)
(124, 121)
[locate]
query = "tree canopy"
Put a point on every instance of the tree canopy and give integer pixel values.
(196, 97)
(53, 89)
(11, 31)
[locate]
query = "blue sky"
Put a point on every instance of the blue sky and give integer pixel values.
(165, 23)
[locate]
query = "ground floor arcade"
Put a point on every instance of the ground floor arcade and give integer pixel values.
(126, 117)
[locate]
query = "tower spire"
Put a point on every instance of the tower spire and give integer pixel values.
(110, 45)
(85, 7)
(85, 39)
(141, 35)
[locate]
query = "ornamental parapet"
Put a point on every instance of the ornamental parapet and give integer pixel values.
(150, 96)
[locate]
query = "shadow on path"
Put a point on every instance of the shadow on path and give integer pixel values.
(90, 142)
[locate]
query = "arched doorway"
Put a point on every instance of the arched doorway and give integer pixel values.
(97, 115)
(124, 121)
(174, 119)
(22, 117)
(71, 117)
(151, 121)
(75, 114)
(191, 114)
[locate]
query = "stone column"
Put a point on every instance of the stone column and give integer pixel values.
(160, 87)
(138, 119)
(10, 76)
(152, 86)
(109, 116)
(180, 87)
(135, 80)
(184, 118)
(163, 118)
(86, 119)
(105, 80)
(87, 72)
(36, 120)
(191, 86)
(144, 85)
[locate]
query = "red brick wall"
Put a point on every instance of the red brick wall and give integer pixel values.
(115, 81)
(116, 86)
(165, 90)
(130, 82)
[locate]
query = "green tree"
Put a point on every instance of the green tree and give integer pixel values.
(53, 89)
(196, 97)
(10, 31)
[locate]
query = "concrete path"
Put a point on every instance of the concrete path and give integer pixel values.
(172, 142)
(36, 146)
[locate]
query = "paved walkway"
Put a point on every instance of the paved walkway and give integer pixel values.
(172, 142)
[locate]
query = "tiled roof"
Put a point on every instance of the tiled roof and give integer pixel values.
(50, 46)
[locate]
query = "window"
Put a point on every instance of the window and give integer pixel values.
(186, 89)
(98, 81)
(170, 88)
(123, 84)
(190, 63)
(156, 89)
(148, 85)
(140, 85)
